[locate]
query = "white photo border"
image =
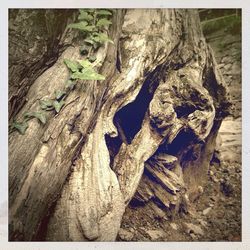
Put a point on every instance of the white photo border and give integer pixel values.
(244, 5)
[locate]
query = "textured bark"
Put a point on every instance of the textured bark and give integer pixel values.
(71, 179)
(36, 39)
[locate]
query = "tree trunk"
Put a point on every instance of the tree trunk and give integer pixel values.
(160, 106)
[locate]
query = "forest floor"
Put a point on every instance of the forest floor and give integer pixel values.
(216, 214)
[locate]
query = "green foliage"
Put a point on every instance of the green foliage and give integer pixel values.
(20, 126)
(103, 22)
(83, 26)
(91, 11)
(97, 39)
(89, 41)
(36, 114)
(78, 25)
(92, 23)
(231, 24)
(86, 71)
(104, 13)
(234, 27)
(85, 63)
(222, 45)
(87, 74)
(206, 14)
(73, 66)
(84, 15)
(46, 104)
(101, 38)
(58, 105)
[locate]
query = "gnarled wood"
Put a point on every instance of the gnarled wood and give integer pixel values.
(71, 179)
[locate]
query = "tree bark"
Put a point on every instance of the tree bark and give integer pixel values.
(160, 106)
(36, 39)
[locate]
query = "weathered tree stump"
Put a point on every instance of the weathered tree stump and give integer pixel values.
(160, 107)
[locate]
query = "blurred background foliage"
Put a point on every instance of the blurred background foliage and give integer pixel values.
(228, 20)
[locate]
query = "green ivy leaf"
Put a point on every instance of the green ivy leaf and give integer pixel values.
(58, 105)
(101, 38)
(85, 16)
(60, 94)
(93, 42)
(78, 25)
(104, 13)
(73, 66)
(39, 115)
(97, 39)
(46, 104)
(87, 74)
(103, 22)
(89, 28)
(20, 126)
(85, 63)
(89, 41)
(83, 26)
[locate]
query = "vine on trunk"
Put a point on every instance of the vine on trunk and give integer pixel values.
(93, 26)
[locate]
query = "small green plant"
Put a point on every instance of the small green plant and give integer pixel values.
(56, 103)
(83, 70)
(19, 126)
(104, 13)
(36, 114)
(83, 26)
(92, 24)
